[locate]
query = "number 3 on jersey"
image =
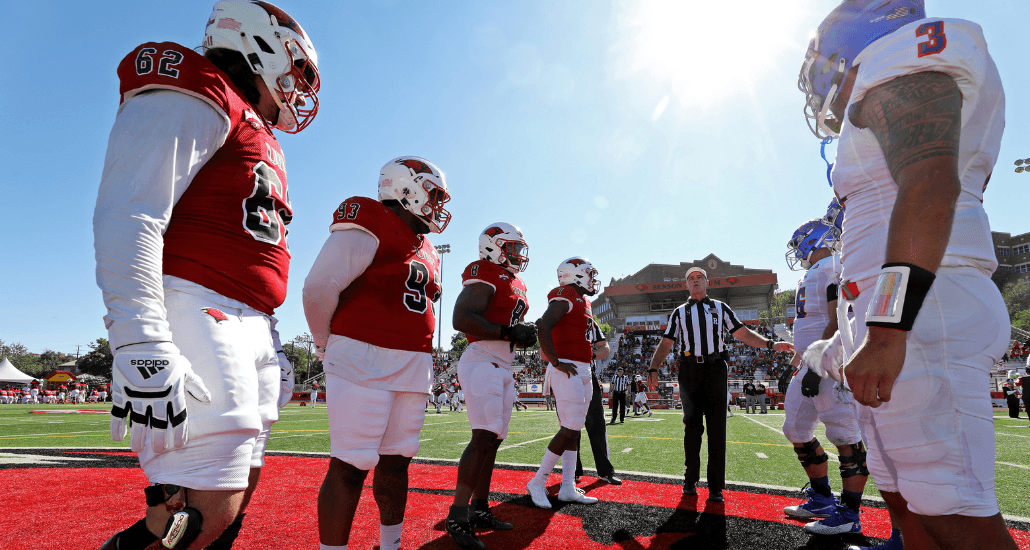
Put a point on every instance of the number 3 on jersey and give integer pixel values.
(937, 41)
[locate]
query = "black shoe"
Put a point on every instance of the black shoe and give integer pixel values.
(485, 519)
(716, 496)
(464, 537)
(689, 489)
(622, 422)
(610, 479)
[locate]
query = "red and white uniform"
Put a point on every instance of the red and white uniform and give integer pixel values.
(190, 241)
(368, 301)
(572, 337)
(918, 442)
(485, 367)
(641, 398)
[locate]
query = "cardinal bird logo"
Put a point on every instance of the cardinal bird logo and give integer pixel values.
(641, 288)
(493, 231)
(733, 280)
(577, 262)
(216, 313)
(416, 166)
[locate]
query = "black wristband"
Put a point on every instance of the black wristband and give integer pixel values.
(506, 333)
(770, 345)
(898, 295)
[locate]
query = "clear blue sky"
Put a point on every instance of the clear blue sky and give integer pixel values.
(630, 132)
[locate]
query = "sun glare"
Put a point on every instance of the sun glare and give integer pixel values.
(702, 52)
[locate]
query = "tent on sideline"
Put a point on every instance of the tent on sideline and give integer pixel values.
(10, 373)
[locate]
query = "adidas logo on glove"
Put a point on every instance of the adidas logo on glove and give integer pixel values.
(149, 367)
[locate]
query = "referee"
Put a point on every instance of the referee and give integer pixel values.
(619, 385)
(697, 329)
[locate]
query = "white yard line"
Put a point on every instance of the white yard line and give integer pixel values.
(513, 445)
(1013, 465)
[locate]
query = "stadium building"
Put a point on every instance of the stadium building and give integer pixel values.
(643, 301)
(1013, 252)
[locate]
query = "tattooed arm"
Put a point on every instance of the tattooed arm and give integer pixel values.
(916, 119)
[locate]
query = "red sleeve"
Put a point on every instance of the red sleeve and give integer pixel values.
(361, 213)
(482, 271)
(169, 66)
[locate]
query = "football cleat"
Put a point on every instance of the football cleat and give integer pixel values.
(464, 537)
(893, 543)
(538, 493)
(816, 506)
(575, 495)
(842, 520)
(485, 519)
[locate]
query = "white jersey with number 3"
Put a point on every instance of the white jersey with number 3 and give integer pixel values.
(812, 314)
(860, 176)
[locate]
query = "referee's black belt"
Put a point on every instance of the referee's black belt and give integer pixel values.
(709, 358)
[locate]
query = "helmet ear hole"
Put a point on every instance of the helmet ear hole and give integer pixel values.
(263, 45)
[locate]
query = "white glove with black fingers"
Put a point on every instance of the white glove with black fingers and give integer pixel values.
(826, 357)
(149, 389)
(286, 379)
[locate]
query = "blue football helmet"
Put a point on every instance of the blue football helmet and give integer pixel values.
(808, 238)
(849, 28)
(835, 215)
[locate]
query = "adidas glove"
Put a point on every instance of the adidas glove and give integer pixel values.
(149, 389)
(521, 334)
(825, 357)
(286, 379)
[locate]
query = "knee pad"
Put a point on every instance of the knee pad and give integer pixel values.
(362, 459)
(854, 465)
(806, 454)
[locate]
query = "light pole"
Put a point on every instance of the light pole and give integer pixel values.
(441, 250)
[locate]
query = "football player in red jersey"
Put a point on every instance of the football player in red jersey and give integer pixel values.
(490, 311)
(192, 259)
(566, 342)
(367, 303)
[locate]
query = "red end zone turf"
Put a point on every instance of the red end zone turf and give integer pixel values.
(71, 504)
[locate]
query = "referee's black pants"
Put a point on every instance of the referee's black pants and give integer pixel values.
(597, 431)
(619, 405)
(703, 394)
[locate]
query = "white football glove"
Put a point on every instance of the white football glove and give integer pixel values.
(825, 357)
(320, 352)
(286, 379)
(149, 387)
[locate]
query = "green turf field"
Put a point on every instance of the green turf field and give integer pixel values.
(757, 451)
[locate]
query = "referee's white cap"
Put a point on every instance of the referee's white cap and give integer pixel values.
(697, 270)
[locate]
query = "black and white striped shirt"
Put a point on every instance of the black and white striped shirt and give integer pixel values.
(700, 327)
(620, 382)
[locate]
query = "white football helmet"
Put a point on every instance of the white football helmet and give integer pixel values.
(638, 378)
(277, 49)
(580, 272)
(503, 244)
(419, 186)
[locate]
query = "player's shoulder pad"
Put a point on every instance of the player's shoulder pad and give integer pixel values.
(170, 66)
(362, 213)
(955, 47)
(564, 292)
(484, 270)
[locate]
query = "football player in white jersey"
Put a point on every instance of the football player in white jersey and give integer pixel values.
(811, 398)
(919, 109)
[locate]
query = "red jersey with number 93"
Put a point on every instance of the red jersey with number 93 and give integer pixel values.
(388, 305)
(228, 230)
(507, 305)
(572, 334)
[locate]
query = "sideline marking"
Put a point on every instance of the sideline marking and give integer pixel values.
(761, 455)
(1013, 465)
(524, 443)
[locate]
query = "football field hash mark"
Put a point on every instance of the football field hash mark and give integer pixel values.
(761, 455)
(627, 449)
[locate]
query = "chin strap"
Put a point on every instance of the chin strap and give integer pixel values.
(822, 152)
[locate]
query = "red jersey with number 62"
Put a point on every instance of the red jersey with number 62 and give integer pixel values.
(507, 305)
(228, 230)
(572, 335)
(388, 305)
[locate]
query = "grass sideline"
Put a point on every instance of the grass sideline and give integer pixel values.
(757, 452)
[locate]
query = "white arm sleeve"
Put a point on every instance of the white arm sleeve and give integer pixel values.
(344, 256)
(159, 142)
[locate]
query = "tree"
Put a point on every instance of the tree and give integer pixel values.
(780, 302)
(99, 361)
(301, 352)
(20, 357)
(458, 344)
(606, 329)
(1017, 300)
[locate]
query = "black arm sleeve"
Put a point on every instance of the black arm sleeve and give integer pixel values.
(831, 293)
